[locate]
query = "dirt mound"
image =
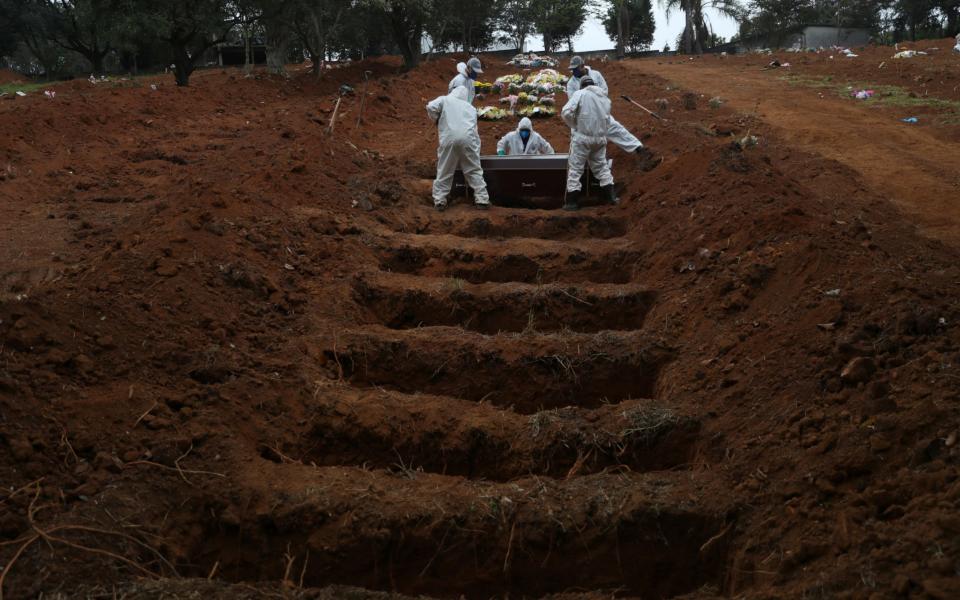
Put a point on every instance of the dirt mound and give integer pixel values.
(218, 364)
(10, 76)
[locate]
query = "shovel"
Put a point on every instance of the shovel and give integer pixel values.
(363, 99)
(333, 118)
(643, 108)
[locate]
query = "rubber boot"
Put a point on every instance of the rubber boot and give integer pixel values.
(609, 194)
(573, 201)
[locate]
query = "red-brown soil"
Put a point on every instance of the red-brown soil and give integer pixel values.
(221, 376)
(916, 166)
(10, 76)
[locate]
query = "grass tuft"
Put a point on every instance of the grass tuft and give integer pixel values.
(648, 423)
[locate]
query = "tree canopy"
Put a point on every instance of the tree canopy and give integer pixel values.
(51, 36)
(630, 23)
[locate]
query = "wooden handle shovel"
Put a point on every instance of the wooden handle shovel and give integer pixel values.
(642, 107)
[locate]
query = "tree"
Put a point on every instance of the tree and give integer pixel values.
(951, 11)
(475, 28)
(364, 33)
(465, 25)
(278, 33)
(696, 29)
(32, 29)
(773, 19)
(48, 27)
(439, 25)
(316, 24)
(87, 27)
(559, 21)
(515, 22)
(630, 23)
(852, 13)
(9, 27)
(188, 28)
(406, 19)
(914, 16)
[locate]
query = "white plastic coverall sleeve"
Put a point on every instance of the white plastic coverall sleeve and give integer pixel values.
(466, 83)
(588, 115)
(512, 143)
(617, 134)
(459, 145)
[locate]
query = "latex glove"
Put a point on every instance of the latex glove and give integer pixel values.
(501, 153)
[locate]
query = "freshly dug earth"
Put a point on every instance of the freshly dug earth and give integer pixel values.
(10, 76)
(241, 358)
(811, 107)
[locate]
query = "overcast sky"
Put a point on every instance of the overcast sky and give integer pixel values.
(595, 38)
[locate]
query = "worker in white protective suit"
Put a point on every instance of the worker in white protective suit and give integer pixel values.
(466, 77)
(618, 134)
(459, 147)
(523, 141)
(587, 112)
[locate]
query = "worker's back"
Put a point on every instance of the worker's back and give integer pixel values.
(588, 112)
(456, 118)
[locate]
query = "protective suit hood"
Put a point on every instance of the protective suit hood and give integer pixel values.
(459, 93)
(595, 89)
(525, 123)
(462, 68)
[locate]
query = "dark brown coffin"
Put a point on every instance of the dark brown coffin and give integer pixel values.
(526, 180)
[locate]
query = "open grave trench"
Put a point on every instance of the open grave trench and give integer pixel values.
(501, 428)
(445, 536)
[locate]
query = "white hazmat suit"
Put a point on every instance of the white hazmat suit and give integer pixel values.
(512, 143)
(459, 146)
(587, 112)
(617, 133)
(463, 80)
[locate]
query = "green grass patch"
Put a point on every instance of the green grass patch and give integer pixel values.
(884, 95)
(26, 87)
(892, 95)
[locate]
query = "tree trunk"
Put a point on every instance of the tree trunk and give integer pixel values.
(277, 56)
(404, 38)
(688, 30)
(247, 63)
(182, 66)
(317, 61)
(97, 61)
(621, 5)
(953, 21)
(318, 51)
(278, 46)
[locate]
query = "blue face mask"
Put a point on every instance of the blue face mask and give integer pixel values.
(524, 134)
(578, 72)
(472, 75)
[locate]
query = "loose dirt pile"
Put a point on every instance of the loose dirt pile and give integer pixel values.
(740, 382)
(10, 76)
